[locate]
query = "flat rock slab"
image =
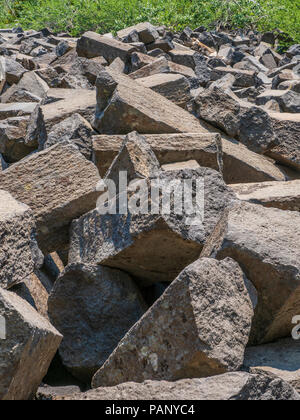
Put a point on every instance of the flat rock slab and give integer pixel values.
(124, 105)
(58, 184)
(18, 247)
(168, 148)
(153, 247)
(265, 242)
(281, 358)
(199, 327)
(236, 386)
(26, 353)
(282, 195)
(93, 307)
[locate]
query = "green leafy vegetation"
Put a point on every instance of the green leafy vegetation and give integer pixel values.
(77, 16)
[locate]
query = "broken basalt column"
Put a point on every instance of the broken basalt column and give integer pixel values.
(19, 253)
(269, 255)
(234, 386)
(199, 327)
(28, 349)
(282, 195)
(124, 105)
(93, 307)
(155, 246)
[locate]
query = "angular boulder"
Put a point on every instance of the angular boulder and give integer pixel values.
(149, 244)
(282, 195)
(18, 247)
(234, 386)
(265, 242)
(28, 349)
(123, 105)
(168, 148)
(199, 327)
(58, 184)
(93, 307)
(74, 130)
(94, 45)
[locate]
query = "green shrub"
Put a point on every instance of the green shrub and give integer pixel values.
(77, 16)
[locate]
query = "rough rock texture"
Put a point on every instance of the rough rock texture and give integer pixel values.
(281, 358)
(264, 241)
(93, 307)
(287, 129)
(26, 353)
(75, 130)
(251, 125)
(174, 87)
(93, 45)
(59, 184)
(282, 195)
(13, 132)
(18, 247)
(168, 148)
(153, 247)
(198, 328)
(234, 386)
(35, 289)
(123, 105)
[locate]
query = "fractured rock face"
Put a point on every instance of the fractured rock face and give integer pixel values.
(265, 242)
(26, 353)
(234, 386)
(154, 245)
(93, 307)
(59, 184)
(199, 327)
(18, 248)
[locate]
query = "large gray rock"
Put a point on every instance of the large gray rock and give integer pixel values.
(12, 69)
(124, 105)
(154, 247)
(234, 386)
(286, 149)
(288, 100)
(265, 242)
(18, 248)
(58, 184)
(199, 327)
(94, 45)
(250, 124)
(282, 195)
(13, 133)
(75, 130)
(93, 307)
(147, 33)
(17, 109)
(26, 353)
(169, 148)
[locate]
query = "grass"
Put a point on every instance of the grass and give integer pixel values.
(78, 16)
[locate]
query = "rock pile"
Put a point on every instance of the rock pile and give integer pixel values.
(194, 297)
